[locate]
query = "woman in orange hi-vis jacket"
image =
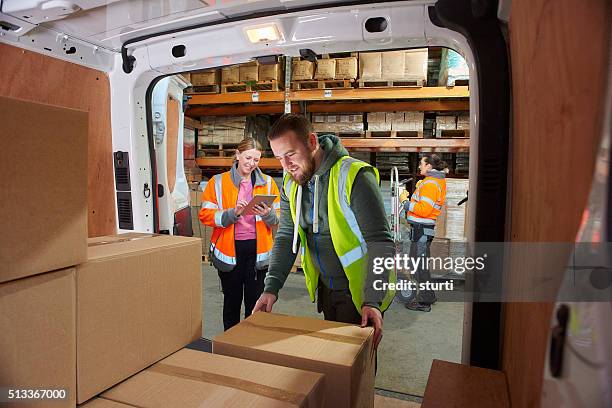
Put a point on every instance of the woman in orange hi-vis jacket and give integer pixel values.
(240, 243)
(422, 210)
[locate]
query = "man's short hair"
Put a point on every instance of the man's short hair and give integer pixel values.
(291, 122)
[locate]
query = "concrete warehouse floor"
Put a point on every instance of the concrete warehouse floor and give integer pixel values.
(411, 339)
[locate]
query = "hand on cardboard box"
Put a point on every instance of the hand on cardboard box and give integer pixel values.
(264, 303)
(371, 316)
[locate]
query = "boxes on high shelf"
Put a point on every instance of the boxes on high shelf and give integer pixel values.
(346, 68)
(249, 72)
(192, 379)
(370, 65)
(38, 341)
(377, 121)
(326, 69)
(230, 75)
(271, 72)
(204, 78)
(139, 299)
(302, 70)
(446, 122)
(340, 351)
(46, 228)
(393, 65)
(413, 121)
(463, 122)
(415, 64)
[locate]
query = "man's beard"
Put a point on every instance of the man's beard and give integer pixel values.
(307, 173)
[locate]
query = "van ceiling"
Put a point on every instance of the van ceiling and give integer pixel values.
(110, 23)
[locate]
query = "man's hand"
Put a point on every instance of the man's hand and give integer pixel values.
(265, 302)
(371, 316)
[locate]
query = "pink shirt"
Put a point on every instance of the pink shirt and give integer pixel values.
(244, 228)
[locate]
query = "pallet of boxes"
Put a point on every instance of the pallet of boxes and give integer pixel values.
(252, 77)
(206, 81)
(325, 73)
(104, 321)
(406, 124)
(453, 126)
(406, 68)
(343, 125)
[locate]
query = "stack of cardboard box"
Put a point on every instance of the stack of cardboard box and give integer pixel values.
(338, 123)
(205, 78)
(401, 121)
(445, 122)
(409, 65)
(302, 70)
(222, 129)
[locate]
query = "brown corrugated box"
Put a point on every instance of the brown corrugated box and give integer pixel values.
(326, 69)
(346, 68)
(38, 340)
(103, 403)
(370, 65)
(415, 64)
(302, 70)
(204, 78)
(342, 352)
(393, 65)
(270, 72)
(139, 300)
(46, 226)
(190, 379)
(230, 75)
(249, 72)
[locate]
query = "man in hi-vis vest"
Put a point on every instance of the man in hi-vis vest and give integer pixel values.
(332, 207)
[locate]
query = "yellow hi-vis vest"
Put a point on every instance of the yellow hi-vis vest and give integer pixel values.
(346, 236)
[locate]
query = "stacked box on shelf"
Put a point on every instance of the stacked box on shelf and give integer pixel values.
(408, 121)
(248, 72)
(415, 64)
(222, 129)
(377, 121)
(445, 122)
(453, 216)
(230, 75)
(338, 123)
(302, 70)
(205, 78)
(394, 65)
(271, 72)
(370, 65)
(346, 68)
(463, 122)
(326, 69)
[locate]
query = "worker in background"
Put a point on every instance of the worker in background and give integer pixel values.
(331, 205)
(422, 210)
(240, 243)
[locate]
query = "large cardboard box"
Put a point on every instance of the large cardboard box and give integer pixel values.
(230, 75)
(37, 335)
(370, 65)
(326, 69)
(341, 351)
(192, 378)
(301, 70)
(393, 65)
(204, 78)
(45, 227)
(271, 72)
(249, 72)
(415, 64)
(139, 300)
(346, 68)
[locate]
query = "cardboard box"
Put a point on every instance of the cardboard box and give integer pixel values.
(139, 300)
(415, 64)
(326, 69)
(249, 72)
(230, 75)
(271, 72)
(393, 65)
(104, 403)
(379, 126)
(302, 70)
(376, 117)
(38, 340)
(346, 68)
(45, 228)
(340, 351)
(204, 78)
(190, 379)
(370, 65)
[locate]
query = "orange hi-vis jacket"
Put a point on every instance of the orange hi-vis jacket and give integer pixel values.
(428, 198)
(218, 202)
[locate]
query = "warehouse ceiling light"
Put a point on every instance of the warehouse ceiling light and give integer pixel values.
(263, 33)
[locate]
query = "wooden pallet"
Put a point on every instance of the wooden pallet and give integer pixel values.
(322, 84)
(452, 133)
(258, 86)
(383, 83)
(204, 89)
(397, 134)
(217, 150)
(457, 82)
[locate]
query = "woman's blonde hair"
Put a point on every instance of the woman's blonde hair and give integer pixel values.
(248, 143)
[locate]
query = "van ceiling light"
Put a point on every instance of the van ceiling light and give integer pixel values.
(263, 33)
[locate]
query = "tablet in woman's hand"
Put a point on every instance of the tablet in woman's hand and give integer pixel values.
(258, 199)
